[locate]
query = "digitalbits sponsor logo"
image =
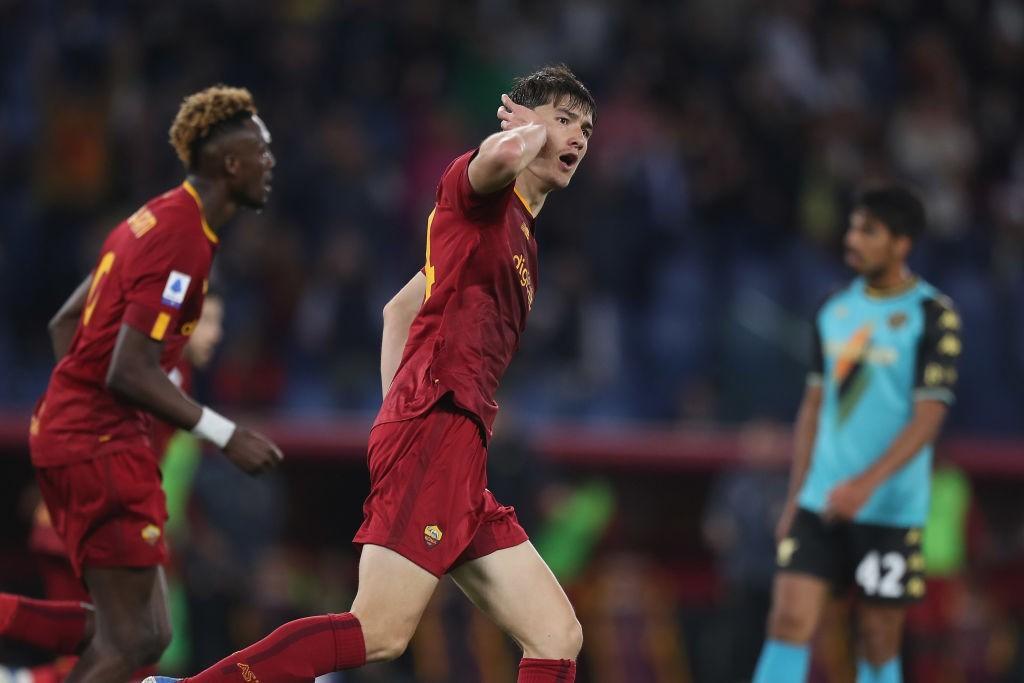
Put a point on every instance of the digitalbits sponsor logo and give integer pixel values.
(247, 675)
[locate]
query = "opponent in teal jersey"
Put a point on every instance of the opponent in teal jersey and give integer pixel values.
(882, 381)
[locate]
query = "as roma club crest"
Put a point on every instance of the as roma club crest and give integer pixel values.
(432, 535)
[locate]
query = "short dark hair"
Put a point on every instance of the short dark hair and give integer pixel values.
(898, 207)
(554, 84)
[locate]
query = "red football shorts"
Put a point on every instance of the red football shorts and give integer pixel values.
(110, 510)
(428, 497)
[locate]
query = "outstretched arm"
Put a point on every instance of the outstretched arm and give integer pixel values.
(65, 321)
(504, 155)
(398, 316)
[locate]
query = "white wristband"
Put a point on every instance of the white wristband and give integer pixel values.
(214, 427)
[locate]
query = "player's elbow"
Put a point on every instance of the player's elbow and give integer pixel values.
(400, 310)
(497, 164)
(120, 381)
(392, 309)
(506, 155)
(56, 323)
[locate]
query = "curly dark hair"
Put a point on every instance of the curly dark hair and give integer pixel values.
(205, 112)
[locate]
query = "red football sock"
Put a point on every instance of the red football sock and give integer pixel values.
(546, 670)
(57, 626)
(297, 652)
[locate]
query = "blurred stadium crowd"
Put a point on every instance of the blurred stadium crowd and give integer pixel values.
(677, 273)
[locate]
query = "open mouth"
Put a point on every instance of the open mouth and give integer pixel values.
(568, 160)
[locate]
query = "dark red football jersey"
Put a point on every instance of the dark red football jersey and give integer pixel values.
(481, 270)
(152, 274)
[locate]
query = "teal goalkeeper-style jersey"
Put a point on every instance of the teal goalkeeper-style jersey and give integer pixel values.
(875, 354)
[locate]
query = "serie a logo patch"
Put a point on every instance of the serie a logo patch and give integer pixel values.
(432, 535)
(175, 289)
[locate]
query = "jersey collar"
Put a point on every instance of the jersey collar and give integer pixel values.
(525, 203)
(890, 292)
(210, 234)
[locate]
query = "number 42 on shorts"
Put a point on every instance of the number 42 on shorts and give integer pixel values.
(882, 575)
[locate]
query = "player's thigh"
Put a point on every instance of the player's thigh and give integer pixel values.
(392, 594)
(131, 605)
(880, 629)
(516, 589)
(798, 601)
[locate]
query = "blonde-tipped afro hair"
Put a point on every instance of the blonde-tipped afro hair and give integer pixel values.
(203, 110)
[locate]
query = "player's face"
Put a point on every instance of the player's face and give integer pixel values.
(871, 248)
(207, 334)
(254, 165)
(569, 132)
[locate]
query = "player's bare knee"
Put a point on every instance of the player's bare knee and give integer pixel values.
(148, 646)
(879, 645)
(789, 625)
(139, 644)
(574, 640)
(388, 647)
(384, 640)
(562, 642)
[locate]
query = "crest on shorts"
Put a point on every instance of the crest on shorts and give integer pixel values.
(151, 534)
(432, 535)
(787, 547)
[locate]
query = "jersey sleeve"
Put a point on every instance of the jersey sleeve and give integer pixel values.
(938, 352)
(160, 278)
(456, 189)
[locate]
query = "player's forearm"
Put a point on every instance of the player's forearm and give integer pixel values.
(804, 433)
(503, 156)
(62, 332)
(149, 388)
(391, 349)
(65, 321)
(399, 314)
(923, 429)
(135, 376)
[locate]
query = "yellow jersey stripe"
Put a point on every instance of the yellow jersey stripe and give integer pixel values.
(207, 230)
(428, 269)
(160, 326)
(523, 200)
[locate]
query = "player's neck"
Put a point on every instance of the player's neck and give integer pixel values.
(529, 189)
(217, 208)
(891, 279)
